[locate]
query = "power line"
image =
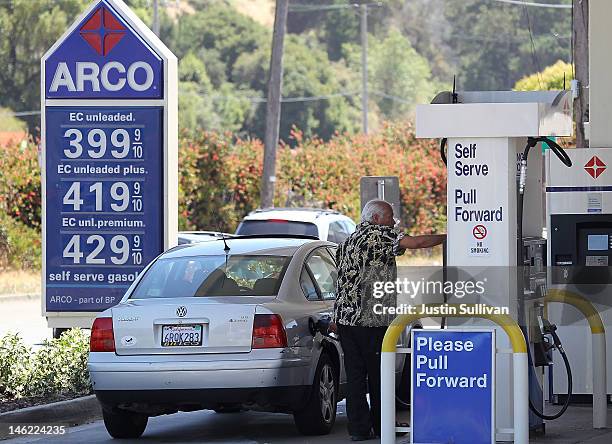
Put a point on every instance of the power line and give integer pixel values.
(20, 113)
(534, 51)
(314, 8)
(392, 97)
(534, 4)
(255, 99)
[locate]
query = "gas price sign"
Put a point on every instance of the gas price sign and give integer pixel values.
(106, 182)
(109, 155)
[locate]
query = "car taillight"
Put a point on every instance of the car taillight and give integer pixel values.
(102, 337)
(268, 331)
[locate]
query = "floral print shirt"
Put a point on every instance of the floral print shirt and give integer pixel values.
(365, 257)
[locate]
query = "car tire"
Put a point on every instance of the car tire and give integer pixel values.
(318, 416)
(121, 424)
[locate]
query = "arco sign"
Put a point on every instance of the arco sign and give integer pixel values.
(109, 153)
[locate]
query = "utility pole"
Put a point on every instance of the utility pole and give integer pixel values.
(364, 67)
(273, 105)
(580, 35)
(156, 17)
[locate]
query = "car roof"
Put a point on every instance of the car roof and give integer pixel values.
(292, 214)
(257, 245)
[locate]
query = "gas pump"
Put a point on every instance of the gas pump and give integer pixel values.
(580, 255)
(488, 137)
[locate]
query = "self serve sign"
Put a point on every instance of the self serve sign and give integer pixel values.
(103, 58)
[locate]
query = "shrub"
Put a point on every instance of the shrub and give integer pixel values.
(20, 192)
(15, 367)
(220, 177)
(20, 245)
(58, 368)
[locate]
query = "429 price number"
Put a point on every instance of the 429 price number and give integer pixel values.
(96, 249)
(96, 141)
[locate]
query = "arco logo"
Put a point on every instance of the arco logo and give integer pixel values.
(102, 31)
(595, 167)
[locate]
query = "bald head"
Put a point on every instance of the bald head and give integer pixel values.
(378, 212)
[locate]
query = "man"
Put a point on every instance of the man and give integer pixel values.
(365, 257)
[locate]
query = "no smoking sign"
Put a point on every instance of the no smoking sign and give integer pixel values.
(479, 232)
(479, 248)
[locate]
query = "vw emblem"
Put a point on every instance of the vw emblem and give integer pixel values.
(181, 312)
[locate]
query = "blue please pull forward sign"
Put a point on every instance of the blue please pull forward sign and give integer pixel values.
(453, 386)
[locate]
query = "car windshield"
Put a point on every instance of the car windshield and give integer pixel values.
(201, 276)
(277, 226)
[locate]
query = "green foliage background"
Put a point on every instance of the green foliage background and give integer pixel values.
(415, 47)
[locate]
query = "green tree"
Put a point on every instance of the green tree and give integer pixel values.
(307, 73)
(398, 70)
(492, 42)
(555, 76)
(28, 28)
(398, 77)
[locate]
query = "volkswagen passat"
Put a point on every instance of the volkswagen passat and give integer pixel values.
(226, 325)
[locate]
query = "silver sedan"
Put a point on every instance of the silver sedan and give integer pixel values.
(225, 325)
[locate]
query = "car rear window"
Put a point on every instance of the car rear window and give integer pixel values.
(202, 276)
(277, 226)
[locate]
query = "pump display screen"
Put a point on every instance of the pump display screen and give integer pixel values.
(597, 242)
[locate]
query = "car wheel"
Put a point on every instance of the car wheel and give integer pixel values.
(319, 414)
(121, 424)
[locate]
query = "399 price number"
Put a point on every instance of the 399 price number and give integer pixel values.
(96, 140)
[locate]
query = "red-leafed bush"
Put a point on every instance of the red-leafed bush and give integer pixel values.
(220, 176)
(217, 191)
(20, 182)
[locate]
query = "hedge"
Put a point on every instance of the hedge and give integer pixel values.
(219, 179)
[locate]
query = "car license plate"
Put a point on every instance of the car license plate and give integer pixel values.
(181, 335)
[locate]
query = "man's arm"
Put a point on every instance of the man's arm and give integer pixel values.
(424, 241)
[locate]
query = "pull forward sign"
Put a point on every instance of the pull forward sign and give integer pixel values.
(109, 149)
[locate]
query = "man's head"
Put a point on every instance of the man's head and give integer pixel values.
(378, 212)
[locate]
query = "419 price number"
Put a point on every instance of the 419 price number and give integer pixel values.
(122, 196)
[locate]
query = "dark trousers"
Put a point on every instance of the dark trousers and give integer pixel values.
(361, 347)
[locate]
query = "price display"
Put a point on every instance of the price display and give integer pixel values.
(104, 181)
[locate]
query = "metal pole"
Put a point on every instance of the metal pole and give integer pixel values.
(581, 63)
(156, 17)
(273, 106)
(364, 67)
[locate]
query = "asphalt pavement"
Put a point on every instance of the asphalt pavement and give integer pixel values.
(208, 427)
(276, 428)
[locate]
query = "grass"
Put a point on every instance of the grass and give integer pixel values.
(19, 282)
(262, 11)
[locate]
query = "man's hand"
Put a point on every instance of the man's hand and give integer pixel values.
(332, 328)
(425, 241)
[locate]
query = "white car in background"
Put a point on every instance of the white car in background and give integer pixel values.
(329, 225)
(191, 237)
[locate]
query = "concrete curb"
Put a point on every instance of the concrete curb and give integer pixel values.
(71, 412)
